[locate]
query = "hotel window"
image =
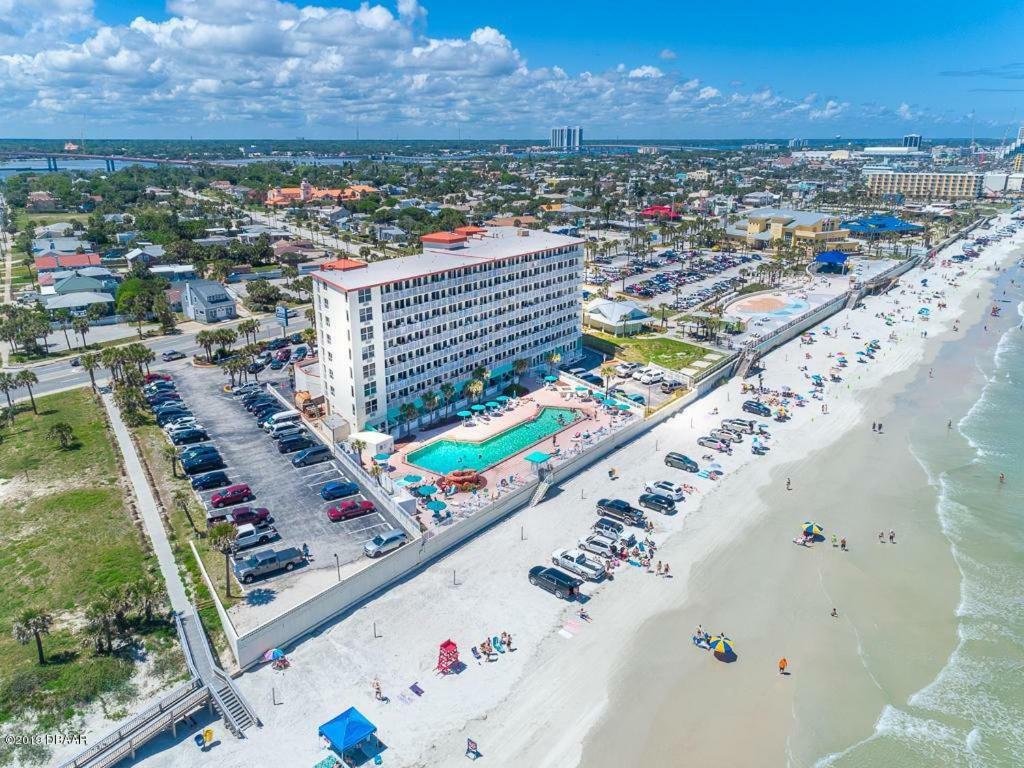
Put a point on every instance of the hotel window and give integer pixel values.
(365, 314)
(366, 333)
(369, 371)
(370, 390)
(364, 295)
(367, 352)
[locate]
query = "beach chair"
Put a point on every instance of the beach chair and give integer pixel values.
(476, 655)
(472, 751)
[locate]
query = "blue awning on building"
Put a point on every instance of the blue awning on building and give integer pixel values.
(880, 225)
(831, 257)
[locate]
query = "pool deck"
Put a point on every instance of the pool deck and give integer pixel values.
(559, 395)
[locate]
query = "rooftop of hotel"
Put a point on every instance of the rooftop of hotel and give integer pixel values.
(496, 243)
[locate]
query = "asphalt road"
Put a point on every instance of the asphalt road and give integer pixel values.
(61, 375)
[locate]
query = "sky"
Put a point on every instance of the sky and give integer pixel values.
(440, 69)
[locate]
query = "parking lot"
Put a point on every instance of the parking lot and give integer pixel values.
(292, 494)
(592, 362)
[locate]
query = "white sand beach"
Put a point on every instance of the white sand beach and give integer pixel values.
(537, 706)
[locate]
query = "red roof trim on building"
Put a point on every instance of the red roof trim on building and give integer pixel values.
(443, 237)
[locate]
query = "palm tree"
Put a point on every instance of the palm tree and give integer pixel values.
(607, 373)
(32, 624)
(474, 389)
(309, 336)
(26, 379)
(80, 325)
(408, 412)
(430, 400)
(553, 359)
(376, 472)
(448, 393)
(90, 362)
(358, 446)
(64, 317)
(222, 536)
(206, 340)
(182, 499)
(519, 367)
(171, 454)
(7, 384)
(62, 433)
(146, 594)
(100, 615)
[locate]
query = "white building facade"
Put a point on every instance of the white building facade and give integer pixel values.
(393, 330)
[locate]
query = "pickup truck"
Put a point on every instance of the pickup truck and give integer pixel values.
(574, 561)
(249, 536)
(620, 510)
(268, 561)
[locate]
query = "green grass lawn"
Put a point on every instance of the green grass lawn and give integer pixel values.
(668, 353)
(23, 217)
(64, 546)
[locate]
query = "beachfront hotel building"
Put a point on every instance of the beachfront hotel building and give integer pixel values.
(807, 230)
(928, 185)
(392, 330)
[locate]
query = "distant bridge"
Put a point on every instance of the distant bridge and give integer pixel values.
(110, 160)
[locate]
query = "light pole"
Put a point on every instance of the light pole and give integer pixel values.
(337, 564)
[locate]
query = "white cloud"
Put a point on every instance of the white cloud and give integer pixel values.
(646, 71)
(267, 67)
(905, 112)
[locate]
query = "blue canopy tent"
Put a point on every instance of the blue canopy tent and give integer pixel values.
(351, 731)
(835, 260)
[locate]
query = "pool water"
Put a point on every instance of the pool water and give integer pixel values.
(444, 456)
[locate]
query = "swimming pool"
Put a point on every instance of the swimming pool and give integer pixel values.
(444, 456)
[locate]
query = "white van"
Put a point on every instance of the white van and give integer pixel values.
(282, 418)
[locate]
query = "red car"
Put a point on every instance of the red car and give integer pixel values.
(348, 510)
(151, 377)
(283, 355)
(249, 515)
(233, 494)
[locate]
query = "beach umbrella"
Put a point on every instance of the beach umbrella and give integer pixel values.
(413, 478)
(477, 407)
(550, 379)
(401, 483)
(622, 407)
(721, 644)
(812, 529)
(382, 457)
(427, 490)
(502, 398)
(436, 505)
(273, 654)
(581, 389)
(492, 404)
(464, 414)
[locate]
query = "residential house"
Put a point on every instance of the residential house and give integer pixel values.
(41, 202)
(51, 262)
(619, 318)
(334, 216)
(79, 303)
(57, 229)
(59, 245)
(207, 302)
(175, 273)
(146, 254)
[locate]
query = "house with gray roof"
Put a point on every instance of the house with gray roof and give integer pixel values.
(619, 318)
(207, 302)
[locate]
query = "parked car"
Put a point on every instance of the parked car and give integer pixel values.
(171, 355)
(160, 385)
(275, 344)
(189, 436)
(238, 516)
(626, 369)
(286, 430)
(598, 544)
(165, 417)
(151, 377)
(246, 389)
(560, 584)
(255, 366)
(266, 562)
(610, 528)
(195, 451)
(617, 509)
(263, 414)
(231, 495)
(668, 386)
(740, 425)
(348, 510)
(637, 398)
(200, 464)
(385, 542)
(210, 480)
(295, 443)
(658, 503)
(758, 409)
(299, 354)
(295, 338)
(651, 377)
(679, 461)
(710, 442)
(725, 435)
(574, 561)
(338, 489)
(283, 355)
(591, 378)
(259, 402)
(182, 425)
(666, 488)
(276, 365)
(309, 456)
(249, 535)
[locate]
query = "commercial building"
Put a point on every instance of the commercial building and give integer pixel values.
(569, 139)
(391, 331)
(912, 140)
(809, 230)
(929, 185)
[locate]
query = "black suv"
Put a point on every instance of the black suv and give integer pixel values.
(679, 461)
(210, 481)
(561, 585)
(760, 409)
(617, 509)
(657, 502)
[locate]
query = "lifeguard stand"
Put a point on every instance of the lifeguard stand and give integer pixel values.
(447, 657)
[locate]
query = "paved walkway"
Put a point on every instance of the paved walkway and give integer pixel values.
(148, 508)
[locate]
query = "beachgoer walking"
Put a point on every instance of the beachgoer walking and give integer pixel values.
(789, 484)
(665, 572)
(783, 664)
(949, 424)
(377, 693)
(508, 641)
(842, 544)
(892, 536)
(659, 568)
(874, 426)
(881, 537)
(1002, 477)
(879, 427)
(834, 540)
(835, 614)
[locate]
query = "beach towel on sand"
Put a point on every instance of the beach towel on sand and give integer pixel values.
(415, 688)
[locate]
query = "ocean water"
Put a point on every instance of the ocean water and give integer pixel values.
(972, 713)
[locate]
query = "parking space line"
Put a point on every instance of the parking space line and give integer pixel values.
(317, 474)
